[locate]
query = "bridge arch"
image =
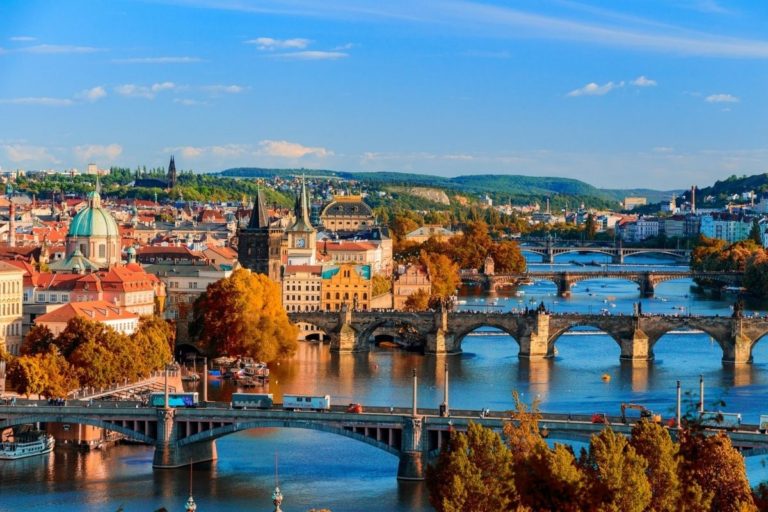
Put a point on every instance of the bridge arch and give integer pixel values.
(311, 332)
(78, 420)
(232, 428)
(594, 328)
(673, 253)
(469, 329)
(689, 323)
(365, 333)
(584, 250)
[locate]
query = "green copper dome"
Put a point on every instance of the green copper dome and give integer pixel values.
(93, 220)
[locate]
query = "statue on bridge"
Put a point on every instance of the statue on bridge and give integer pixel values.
(738, 309)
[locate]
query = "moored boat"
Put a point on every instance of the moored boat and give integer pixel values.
(27, 445)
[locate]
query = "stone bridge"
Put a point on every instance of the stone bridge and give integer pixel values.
(187, 436)
(548, 251)
(564, 280)
(536, 332)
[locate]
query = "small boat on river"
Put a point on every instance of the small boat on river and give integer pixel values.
(25, 445)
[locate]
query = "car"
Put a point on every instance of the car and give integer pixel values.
(355, 408)
(600, 417)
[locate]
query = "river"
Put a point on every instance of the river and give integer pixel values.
(323, 470)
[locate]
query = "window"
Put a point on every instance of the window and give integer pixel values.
(54, 297)
(40, 297)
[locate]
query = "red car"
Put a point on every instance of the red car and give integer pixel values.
(600, 417)
(355, 408)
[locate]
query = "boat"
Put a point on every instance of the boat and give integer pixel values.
(191, 377)
(27, 445)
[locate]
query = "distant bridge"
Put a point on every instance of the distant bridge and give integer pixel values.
(549, 251)
(187, 436)
(535, 332)
(565, 279)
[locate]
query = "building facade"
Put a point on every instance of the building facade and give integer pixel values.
(11, 292)
(346, 284)
(259, 244)
(302, 286)
(347, 213)
(409, 280)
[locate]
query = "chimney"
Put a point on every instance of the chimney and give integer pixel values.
(693, 199)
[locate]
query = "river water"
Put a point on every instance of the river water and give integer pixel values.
(323, 470)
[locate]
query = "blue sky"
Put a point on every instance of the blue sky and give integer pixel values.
(653, 93)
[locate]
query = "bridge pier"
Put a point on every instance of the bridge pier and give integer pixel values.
(413, 458)
(618, 257)
(169, 454)
(647, 285)
(636, 348)
(739, 350)
(536, 344)
(563, 286)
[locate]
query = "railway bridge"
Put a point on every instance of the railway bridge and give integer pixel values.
(564, 280)
(186, 436)
(548, 250)
(536, 332)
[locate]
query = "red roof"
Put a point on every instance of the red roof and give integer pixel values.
(97, 310)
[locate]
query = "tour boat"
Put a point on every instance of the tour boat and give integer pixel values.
(27, 446)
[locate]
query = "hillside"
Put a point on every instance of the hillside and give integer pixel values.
(501, 188)
(757, 183)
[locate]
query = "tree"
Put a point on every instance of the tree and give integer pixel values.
(711, 463)
(443, 274)
(26, 375)
(508, 257)
(60, 377)
(381, 284)
(79, 331)
(551, 480)
(474, 473)
(652, 442)
(155, 339)
(617, 474)
(590, 227)
(417, 301)
(755, 233)
(243, 315)
(37, 340)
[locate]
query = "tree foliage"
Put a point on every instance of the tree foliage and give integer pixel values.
(417, 301)
(651, 472)
(243, 315)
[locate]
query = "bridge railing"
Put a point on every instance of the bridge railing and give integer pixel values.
(125, 387)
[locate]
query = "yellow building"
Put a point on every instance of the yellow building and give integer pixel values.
(11, 294)
(346, 284)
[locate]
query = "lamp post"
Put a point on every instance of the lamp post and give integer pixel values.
(415, 383)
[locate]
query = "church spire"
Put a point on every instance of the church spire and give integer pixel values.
(172, 173)
(302, 204)
(259, 217)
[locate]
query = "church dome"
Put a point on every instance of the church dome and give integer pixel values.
(93, 221)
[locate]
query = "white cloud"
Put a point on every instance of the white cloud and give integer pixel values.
(58, 49)
(312, 55)
(721, 98)
(190, 152)
(643, 81)
(270, 44)
(158, 60)
(224, 89)
(93, 94)
(44, 101)
(593, 89)
(285, 149)
(187, 102)
(22, 39)
(91, 152)
(27, 153)
(144, 91)
(663, 149)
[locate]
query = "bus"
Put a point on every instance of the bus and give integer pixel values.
(251, 400)
(174, 399)
(726, 420)
(304, 402)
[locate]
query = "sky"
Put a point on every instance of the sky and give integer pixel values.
(619, 93)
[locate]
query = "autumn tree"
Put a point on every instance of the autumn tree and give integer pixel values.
(508, 257)
(551, 479)
(243, 315)
(417, 301)
(381, 284)
(715, 469)
(26, 375)
(443, 274)
(37, 340)
(652, 442)
(155, 339)
(617, 474)
(45, 374)
(473, 473)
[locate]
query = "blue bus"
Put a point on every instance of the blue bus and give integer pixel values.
(174, 399)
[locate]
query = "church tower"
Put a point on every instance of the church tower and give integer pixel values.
(302, 237)
(172, 174)
(258, 244)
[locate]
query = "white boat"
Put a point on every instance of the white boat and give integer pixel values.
(27, 446)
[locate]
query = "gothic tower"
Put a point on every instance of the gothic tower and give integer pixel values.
(172, 174)
(302, 237)
(258, 247)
